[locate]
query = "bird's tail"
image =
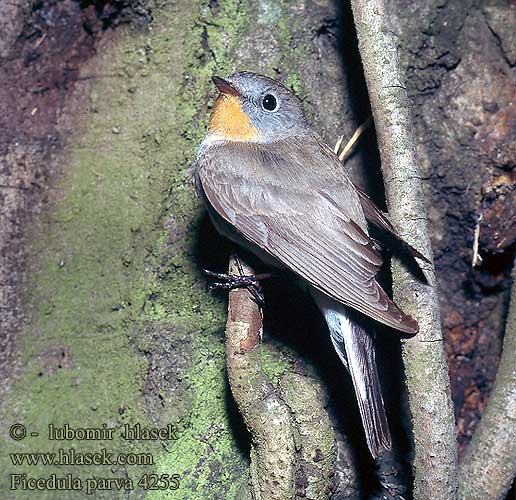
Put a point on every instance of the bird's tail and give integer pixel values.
(355, 348)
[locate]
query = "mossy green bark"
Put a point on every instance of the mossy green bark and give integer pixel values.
(120, 328)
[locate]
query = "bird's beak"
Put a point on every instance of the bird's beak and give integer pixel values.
(224, 86)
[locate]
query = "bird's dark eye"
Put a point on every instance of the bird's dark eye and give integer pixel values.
(269, 102)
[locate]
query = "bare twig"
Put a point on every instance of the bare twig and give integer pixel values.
(348, 148)
(292, 443)
(435, 452)
(489, 466)
(476, 258)
(338, 144)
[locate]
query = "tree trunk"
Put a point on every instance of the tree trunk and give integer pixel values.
(105, 315)
(114, 323)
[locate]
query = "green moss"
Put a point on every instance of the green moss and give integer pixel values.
(116, 299)
(98, 258)
(206, 457)
(274, 363)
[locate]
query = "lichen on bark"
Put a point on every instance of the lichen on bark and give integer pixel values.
(428, 383)
(292, 441)
(121, 328)
(113, 282)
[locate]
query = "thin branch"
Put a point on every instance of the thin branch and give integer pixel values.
(428, 384)
(476, 259)
(265, 415)
(292, 442)
(350, 145)
(489, 465)
(338, 144)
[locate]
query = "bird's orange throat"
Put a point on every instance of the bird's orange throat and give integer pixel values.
(229, 120)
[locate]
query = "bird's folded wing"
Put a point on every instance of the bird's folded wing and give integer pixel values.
(378, 218)
(307, 232)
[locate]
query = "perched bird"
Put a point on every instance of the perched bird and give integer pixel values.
(274, 187)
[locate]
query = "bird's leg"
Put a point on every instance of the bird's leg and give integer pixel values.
(256, 289)
(235, 280)
(241, 280)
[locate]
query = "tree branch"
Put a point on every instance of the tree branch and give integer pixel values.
(489, 465)
(292, 442)
(435, 459)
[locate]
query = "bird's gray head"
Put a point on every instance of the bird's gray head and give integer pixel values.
(255, 108)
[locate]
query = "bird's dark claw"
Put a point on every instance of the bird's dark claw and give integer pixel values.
(213, 274)
(227, 281)
(233, 280)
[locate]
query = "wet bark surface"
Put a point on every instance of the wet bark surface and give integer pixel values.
(42, 48)
(460, 73)
(460, 60)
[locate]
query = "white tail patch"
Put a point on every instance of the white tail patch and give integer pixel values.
(355, 348)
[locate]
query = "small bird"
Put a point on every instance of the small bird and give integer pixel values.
(271, 185)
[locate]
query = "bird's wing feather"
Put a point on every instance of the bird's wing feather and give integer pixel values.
(304, 225)
(355, 347)
(364, 373)
(378, 218)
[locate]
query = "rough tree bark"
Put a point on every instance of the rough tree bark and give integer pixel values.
(459, 60)
(105, 317)
(292, 447)
(428, 384)
(105, 237)
(489, 465)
